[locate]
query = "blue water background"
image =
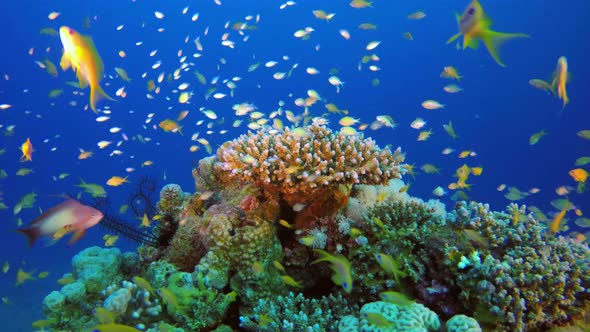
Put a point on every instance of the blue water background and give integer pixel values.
(494, 116)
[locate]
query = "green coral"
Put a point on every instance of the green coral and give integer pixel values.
(292, 313)
(524, 277)
(388, 317)
(462, 323)
(198, 306)
(236, 241)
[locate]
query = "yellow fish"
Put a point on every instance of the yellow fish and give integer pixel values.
(474, 25)
(170, 126)
(288, 280)
(27, 150)
(340, 266)
(22, 276)
(110, 240)
(560, 78)
(80, 54)
(116, 181)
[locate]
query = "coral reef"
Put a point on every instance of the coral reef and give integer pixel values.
(307, 166)
(268, 207)
(296, 313)
(523, 277)
(383, 316)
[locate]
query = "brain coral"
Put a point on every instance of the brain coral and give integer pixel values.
(301, 160)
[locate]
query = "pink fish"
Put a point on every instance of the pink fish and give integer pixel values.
(70, 216)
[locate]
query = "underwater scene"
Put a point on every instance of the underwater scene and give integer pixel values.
(273, 165)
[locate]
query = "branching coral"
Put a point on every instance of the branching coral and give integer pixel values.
(525, 277)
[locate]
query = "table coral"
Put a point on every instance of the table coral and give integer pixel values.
(307, 169)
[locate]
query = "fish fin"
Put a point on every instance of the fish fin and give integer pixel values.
(77, 236)
(95, 57)
(454, 37)
(64, 63)
(31, 233)
(493, 40)
(96, 94)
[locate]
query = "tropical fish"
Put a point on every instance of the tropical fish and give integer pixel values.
(534, 139)
(390, 265)
(95, 190)
(432, 104)
(143, 284)
(80, 54)
(116, 181)
(123, 74)
(110, 240)
(169, 299)
(557, 220)
(288, 280)
(22, 276)
(170, 125)
(103, 316)
(69, 213)
(27, 150)
(360, 4)
(450, 130)
(396, 298)
(113, 327)
(579, 175)
(340, 265)
(560, 78)
(450, 72)
(541, 85)
(474, 25)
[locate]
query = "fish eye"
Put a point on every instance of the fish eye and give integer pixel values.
(470, 11)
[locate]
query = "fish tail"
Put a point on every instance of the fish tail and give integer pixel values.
(493, 40)
(32, 234)
(96, 94)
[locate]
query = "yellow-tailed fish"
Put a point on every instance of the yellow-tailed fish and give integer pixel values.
(474, 25)
(560, 78)
(340, 265)
(113, 327)
(288, 280)
(80, 54)
(390, 265)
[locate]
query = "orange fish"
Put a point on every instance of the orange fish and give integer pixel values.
(27, 150)
(554, 227)
(80, 54)
(70, 214)
(579, 174)
(116, 181)
(560, 79)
